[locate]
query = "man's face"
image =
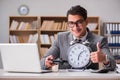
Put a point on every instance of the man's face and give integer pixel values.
(77, 25)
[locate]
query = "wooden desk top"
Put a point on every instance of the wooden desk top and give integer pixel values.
(60, 75)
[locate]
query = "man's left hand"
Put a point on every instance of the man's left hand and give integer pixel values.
(98, 56)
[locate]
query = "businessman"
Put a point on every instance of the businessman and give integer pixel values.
(77, 24)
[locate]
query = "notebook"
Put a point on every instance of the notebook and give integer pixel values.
(21, 57)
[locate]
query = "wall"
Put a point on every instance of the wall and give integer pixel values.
(107, 10)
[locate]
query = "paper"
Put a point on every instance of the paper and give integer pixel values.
(118, 68)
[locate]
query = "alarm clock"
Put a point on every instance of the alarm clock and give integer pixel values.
(79, 56)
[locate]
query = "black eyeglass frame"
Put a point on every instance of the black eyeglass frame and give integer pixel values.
(77, 23)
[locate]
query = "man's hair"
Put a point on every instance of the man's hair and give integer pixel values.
(77, 10)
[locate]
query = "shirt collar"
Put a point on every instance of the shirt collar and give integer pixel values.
(82, 38)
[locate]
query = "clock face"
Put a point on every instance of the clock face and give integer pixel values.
(23, 10)
(78, 55)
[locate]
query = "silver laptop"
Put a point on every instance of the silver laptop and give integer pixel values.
(23, 57)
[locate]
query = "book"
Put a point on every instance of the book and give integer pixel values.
(55, 26)
(63, 25)
(14, 25)
(34, 25)
(11, 39)
(19, 39)
(35, 38)
(30, 38)
(44, 24)
(42, 39)
(21, 26)
(92, 26)
(14, 39)
(50, 25)
(25, 38)
(52, 38)
(27, 26)
(59, 26)
(46, 39)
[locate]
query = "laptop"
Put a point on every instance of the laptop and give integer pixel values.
(21, 57)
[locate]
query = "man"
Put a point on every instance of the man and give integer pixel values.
(77, 22)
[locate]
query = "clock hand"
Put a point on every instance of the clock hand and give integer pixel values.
(80, 54)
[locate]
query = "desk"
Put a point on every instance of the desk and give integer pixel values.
(61, 75)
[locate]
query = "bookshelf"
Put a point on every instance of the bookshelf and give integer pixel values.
(112, 32)
(42, 29)
(23, 29)
(59, 24)
(94, 24)
(50, 26)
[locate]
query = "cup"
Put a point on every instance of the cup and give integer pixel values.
(55, 68)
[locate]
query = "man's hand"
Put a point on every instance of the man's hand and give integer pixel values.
(49, 62)
(98, 56)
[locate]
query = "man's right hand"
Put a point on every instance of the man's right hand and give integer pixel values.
(48, 61)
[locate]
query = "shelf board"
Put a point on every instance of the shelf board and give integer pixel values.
(114, 47)
(52, 30)
(112, 34)
(45, 45)
(21, 32)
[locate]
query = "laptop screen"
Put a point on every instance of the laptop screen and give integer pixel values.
(20, 57)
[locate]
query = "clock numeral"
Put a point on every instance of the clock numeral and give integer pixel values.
(72, 51)
(71, 59)
(87, 55)
(75, 48)
(82, 62)
(74, 61)
(78, 47)
(78, 63)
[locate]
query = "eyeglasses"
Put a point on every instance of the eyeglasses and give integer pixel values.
(77, 23)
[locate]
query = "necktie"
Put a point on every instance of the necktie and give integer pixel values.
(75, 41)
